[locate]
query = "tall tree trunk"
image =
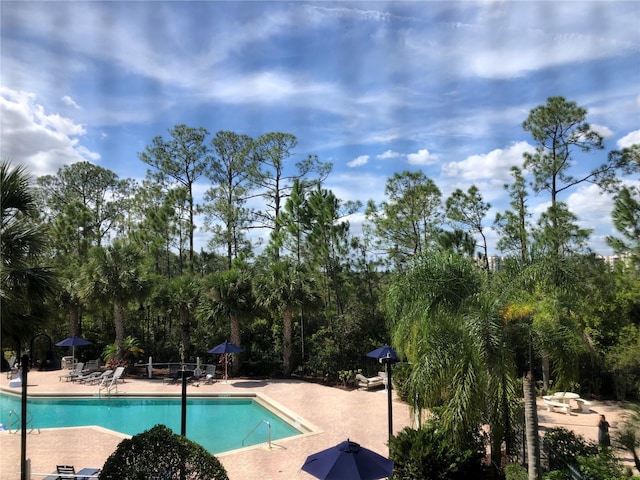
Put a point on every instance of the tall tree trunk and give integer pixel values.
(287, 334)
(118, 314)
(74, 320)
(186, 333)
(235, 339)
(497, 435)
(546, 372)
(531, 427)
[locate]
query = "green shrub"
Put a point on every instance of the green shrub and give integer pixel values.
(129, 355)
(427, 453)
(563, 447)
(604, 466)
(400, 377)
(160, 454)
(515, 471)
(566, 450)
(348, 377)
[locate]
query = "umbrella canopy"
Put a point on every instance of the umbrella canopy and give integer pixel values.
(383, 352)
(72, 342)
(348, 461)
(226, 347)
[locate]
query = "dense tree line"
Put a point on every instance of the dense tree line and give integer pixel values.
(87, 253)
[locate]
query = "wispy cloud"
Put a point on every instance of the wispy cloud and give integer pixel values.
(67, 100)
(389, 154)
(358, 161)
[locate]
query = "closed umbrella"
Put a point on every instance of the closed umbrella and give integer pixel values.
(72, 342)
(223, 349)
(348, 461)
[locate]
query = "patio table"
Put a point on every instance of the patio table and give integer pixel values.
(565, 397)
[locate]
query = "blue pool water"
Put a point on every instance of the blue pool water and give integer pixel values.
(218, 424)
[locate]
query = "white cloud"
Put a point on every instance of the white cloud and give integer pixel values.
(41, 141)
(422, 157)
(268, 87)
(494, 165)
(357, 186)
(593, 209)
(359, 161)
(602, 130)
(631, 138)
(67, 100)
(389, 154)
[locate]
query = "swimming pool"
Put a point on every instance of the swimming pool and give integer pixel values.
(218, 424)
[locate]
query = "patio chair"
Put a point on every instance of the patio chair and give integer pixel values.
(66, 472)
(173, 376)
(100, 378)
(369, 383)
(73, 373)
(111, 383)
(210, 375)
(196, 377)
(86, 377)
(92, 365)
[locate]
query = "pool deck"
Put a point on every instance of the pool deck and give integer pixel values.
(333, 414)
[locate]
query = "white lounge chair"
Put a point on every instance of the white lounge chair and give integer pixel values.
(73, 373)
(85, 377)
(369, 383)
(111, 383)
(99, 379)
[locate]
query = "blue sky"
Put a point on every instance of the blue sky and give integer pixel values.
(373, 87)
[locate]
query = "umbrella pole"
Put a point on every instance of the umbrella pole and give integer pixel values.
(390, 414)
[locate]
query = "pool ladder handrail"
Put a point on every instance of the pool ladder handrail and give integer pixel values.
(15, 424)
(255, 428)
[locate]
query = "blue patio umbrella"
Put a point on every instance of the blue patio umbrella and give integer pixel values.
(72, 342)
(348, 461)
(384, 352)
(223, 349)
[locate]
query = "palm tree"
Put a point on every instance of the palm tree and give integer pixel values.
(24, 283)
(284, 289)
(228, 295)
(115, 275)
(541, 297)
(184, 294)
(448, 324)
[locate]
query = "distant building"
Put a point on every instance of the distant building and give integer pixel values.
(495, 261)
